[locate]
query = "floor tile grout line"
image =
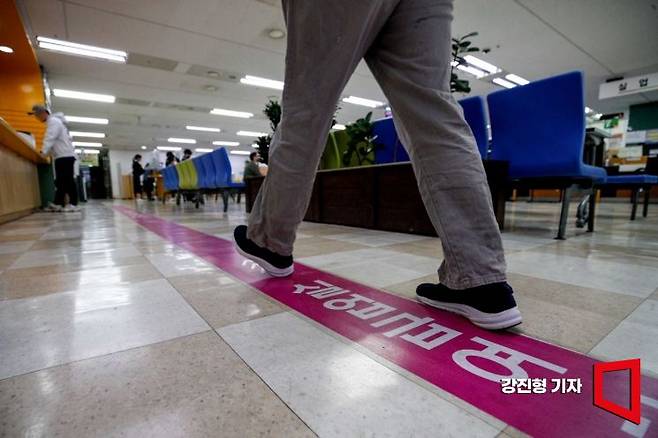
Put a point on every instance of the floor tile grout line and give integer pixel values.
(103, 355)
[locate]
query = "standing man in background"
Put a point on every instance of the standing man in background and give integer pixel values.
(406, 44)
(57, 144)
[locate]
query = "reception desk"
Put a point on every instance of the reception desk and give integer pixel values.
(383, 197)
(19, 175)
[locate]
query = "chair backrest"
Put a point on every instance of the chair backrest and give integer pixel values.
(209, 170)
(540, 127)
(200, 172)
(170, 177)
(188, 175)
(476, 117)
(652, 166)
(390, 148)
(222, 167)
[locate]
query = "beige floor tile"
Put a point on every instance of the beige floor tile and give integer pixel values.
(194, 386)
(78, 266)
(407, 289)
(6, 260)
(427, 247)
(511, 432)
(568, 315)
(312, 246)
(18, 285)
(20, 237)
(221, 301)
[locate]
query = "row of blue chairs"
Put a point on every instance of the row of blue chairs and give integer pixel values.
(539, 128)
(207, 173)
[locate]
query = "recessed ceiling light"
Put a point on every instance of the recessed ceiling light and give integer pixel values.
(338, 127)
(503, 83)
(472, 70)
(82, 49)
(226, 143)
(240, 153)
(6, 49)
(363, 102)
(87, 134)
(201, 128)
(203, 150)
(261, 82)
(517, 79)
(251, 134)
(143, 148)
(484, 65)
(90, 120)
(276, 34)
(89, 144)
(231, 113)
(168, 148)
(84, 95)
(181, 140)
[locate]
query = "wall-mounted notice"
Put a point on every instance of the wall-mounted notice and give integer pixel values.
(623, 87)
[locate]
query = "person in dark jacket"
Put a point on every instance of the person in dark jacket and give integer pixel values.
(138, 170)
(171, 159)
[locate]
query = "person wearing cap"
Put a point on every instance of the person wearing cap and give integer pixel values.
(57, 144)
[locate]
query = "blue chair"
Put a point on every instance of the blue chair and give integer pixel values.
(390, 148)
(476, 117)
(638, 182)
(200, 172)
(223, 176)
(209, 171)
(539, 128)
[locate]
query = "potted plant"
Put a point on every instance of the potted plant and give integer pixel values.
(361, 143)
(460, 47)
(273, 112)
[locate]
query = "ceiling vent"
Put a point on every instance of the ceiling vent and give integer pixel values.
(152, 62)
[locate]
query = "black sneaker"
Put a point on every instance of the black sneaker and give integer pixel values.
(490, 306)
(274, 264)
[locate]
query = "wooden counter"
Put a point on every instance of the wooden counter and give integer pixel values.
(19, 177)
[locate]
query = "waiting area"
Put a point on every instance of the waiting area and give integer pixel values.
(401, 218)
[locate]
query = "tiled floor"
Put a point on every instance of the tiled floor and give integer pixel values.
(107, 329)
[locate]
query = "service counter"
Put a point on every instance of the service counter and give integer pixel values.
(19, 175)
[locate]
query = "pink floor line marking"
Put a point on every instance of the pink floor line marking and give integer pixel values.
(442, 348)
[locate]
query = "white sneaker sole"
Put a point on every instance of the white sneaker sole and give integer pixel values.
(272, 270)
(490, 321)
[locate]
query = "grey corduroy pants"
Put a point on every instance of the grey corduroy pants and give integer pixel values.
(407, 46)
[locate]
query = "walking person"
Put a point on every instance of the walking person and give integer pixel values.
(57, 144)
(138, 171)
(407, 45)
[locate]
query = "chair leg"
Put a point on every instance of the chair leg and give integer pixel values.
(592, 210)
(564, 214)
(225, 197)
(634, 195)
(647, 195)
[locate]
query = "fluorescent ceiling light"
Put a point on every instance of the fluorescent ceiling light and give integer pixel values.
(472, 70)
(77, 151)
(203, 150)
(251, 134)
(226, 143)
(82, 49)
(261, 82)
(6, 49)
(338, 127)
(181, 140)
(254, 145)
(89, 144)
(168, 148)
(588, 110)
(143, 148)
(240, 152)
(84, 95)
(484, 65)
(363, 102)
(517, 79)
(231, 113)
(598, 115)
(90, 120)
(201, 128)
(87, 134)
(503, 83)
(91, 151)
(454, 63)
